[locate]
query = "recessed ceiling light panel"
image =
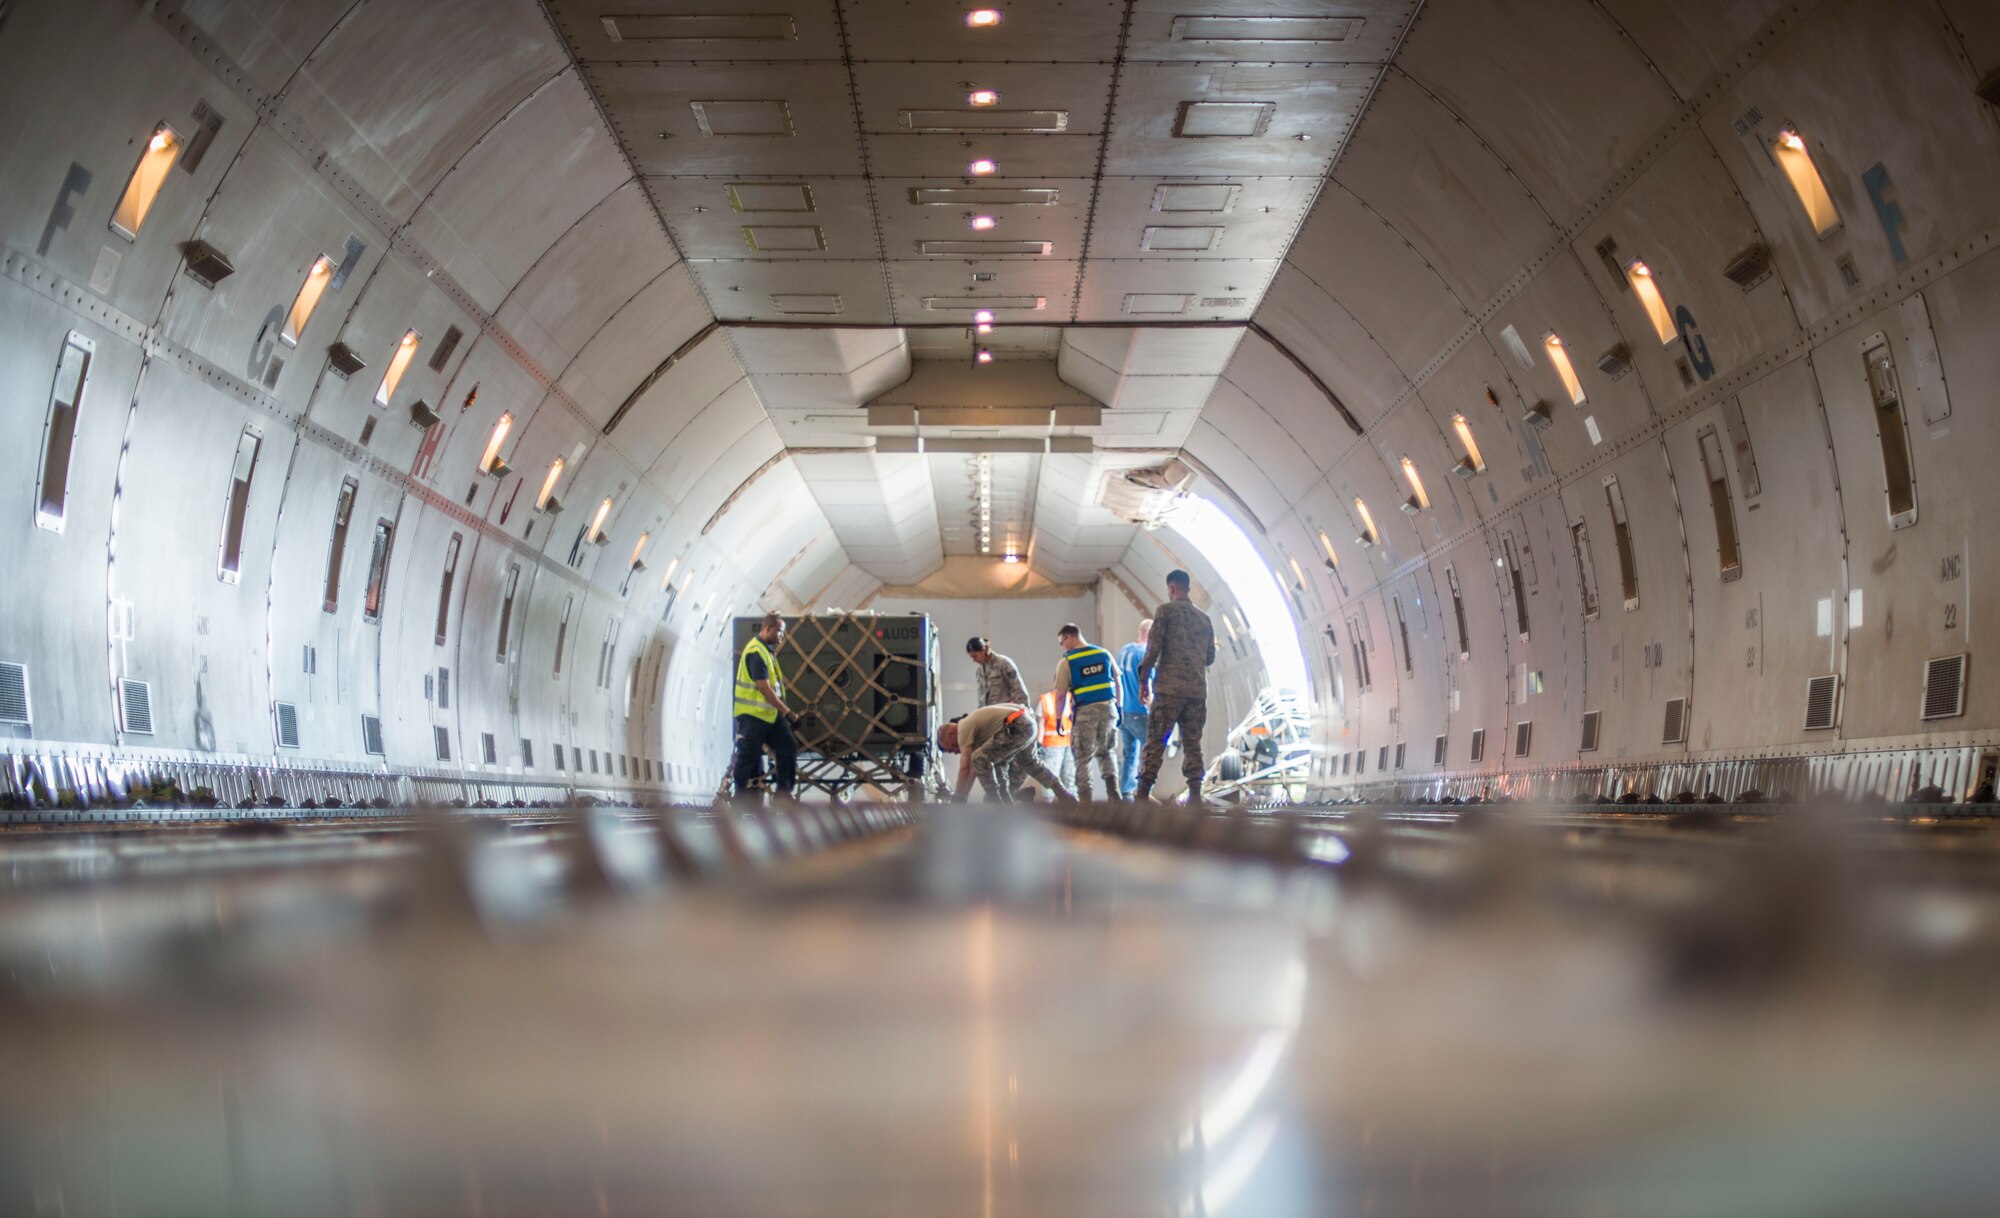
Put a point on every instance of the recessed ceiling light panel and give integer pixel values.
(1223, 119)
(984, 196)
(1030, 122)
(700, 27)
(984, 247)
(1208, 197)
(758, 117)
(1310, 30)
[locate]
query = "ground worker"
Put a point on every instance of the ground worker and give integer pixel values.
(999, 679)
(1057, 710)
(1132, 697)
(997, 740)
(1089, 677)
(1178, 653)
(762, 718)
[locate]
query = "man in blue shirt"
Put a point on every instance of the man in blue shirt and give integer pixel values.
(1132, 711)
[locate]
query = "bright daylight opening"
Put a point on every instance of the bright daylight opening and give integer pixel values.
(1225, 547)
(1270, 750)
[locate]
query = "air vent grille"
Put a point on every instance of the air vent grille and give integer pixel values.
(136, 698)
(1224, 302)
(1382, 758)
(1157, 302)
(371, 735)
(1615, 362)
(527, 753)
(207, 265)
(1399, 754)
(344, 362)
(489, 749)
(1479, 744)
(442, 737)
(1822, 702)
(288, 724)
(1749, 268)
(1590, 726)
(13, 692)
(1437, 752)
(1675, 730)
(1944, 687)
(1524, 734)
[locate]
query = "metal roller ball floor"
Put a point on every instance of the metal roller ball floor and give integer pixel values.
(974, 1009)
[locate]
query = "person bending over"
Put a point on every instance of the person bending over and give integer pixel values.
(992, 743)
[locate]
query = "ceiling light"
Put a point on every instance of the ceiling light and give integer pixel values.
(983, 97)
(983, 18)
(982, 315)
(984, 327)
(983, 356)
(982, 168)
(1010, 557)
(982, 224)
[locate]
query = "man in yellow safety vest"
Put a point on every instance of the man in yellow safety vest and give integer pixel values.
(762, 718)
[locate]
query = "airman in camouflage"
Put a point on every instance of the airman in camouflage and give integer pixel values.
(999, 678)
(1178, 654)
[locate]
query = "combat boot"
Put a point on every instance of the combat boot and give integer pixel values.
(1144, 795)
(1194, 793)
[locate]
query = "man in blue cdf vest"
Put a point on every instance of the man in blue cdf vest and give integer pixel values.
(761, 714)
(1090, 677)
(1133, 698)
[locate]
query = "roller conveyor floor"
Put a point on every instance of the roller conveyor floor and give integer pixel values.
(985, 1012)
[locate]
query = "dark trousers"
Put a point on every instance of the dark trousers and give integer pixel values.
(752, 734)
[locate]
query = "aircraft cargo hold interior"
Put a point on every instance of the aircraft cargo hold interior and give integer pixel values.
(1109, 607)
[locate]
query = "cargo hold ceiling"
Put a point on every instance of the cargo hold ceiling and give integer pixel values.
(857, 164)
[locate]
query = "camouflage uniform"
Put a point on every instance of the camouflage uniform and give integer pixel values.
(1178, 654)
(1000, 681)
(1093, 729)
(999, 740)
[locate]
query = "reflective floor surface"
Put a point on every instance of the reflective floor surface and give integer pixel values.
(992, 1015)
